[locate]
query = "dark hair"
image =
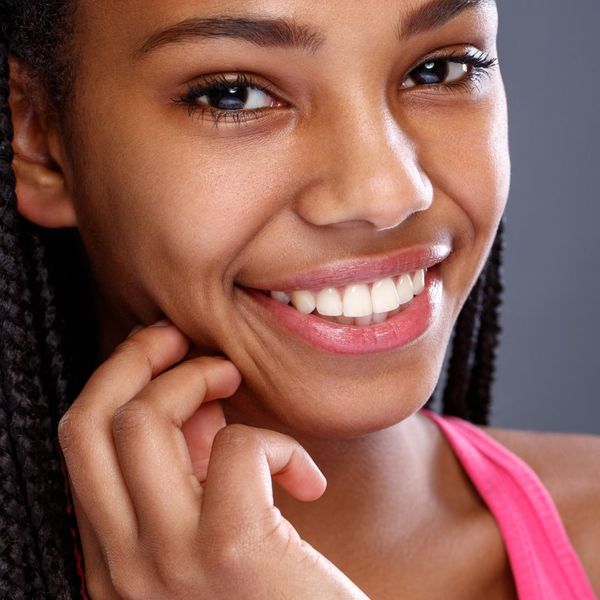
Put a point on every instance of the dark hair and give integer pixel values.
(49, 341)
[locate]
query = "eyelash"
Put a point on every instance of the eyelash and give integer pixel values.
(210, 82)
(480, 62)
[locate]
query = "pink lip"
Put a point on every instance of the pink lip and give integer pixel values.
(359, 270)
(399, 330)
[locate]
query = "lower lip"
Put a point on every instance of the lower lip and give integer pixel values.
(397, 331)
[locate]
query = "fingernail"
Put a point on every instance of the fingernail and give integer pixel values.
(135, 330)
(162, 323)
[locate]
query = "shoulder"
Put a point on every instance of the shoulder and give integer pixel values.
(568, 465)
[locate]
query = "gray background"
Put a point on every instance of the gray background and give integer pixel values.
(550, 358)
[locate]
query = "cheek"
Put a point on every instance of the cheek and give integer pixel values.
(465, 153)
(207, 205)
(160, 217)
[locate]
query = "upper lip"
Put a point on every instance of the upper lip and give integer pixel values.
(365, 269)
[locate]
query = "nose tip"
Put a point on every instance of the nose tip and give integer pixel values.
(374, 176)
(387, 195)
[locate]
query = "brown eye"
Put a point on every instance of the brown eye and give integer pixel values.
(436, 72)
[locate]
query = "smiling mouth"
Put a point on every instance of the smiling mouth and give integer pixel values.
(360, 304)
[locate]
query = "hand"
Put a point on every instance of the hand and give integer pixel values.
(157, 518)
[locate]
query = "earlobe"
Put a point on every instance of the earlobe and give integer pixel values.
(42, 194)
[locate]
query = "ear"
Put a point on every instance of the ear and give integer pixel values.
(42, 194)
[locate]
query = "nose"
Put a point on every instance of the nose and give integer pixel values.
(364, 170)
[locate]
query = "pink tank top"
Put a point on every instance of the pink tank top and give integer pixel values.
(543, 561)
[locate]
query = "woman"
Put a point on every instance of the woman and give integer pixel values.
(305, 198)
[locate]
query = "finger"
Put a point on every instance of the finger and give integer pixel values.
(152, 449)
(85, 431)
(199, 432)
(95, 570)
(238, 486)
(93, 563)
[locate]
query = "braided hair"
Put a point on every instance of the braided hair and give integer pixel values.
(49, 340)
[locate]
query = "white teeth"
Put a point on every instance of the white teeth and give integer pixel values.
(380, 317)
(281, 297)
(418, 280)
(358, 304)
(357, 301)
(303, 302)
(364, 321)
(404, 288)
(384, 296)
(329, 303)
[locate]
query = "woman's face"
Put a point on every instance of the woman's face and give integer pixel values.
(337, 155)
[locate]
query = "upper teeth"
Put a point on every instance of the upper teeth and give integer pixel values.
(357, 300)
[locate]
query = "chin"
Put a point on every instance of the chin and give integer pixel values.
(336, 409)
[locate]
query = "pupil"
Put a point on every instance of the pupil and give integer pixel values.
(431, 72)
(228, 98)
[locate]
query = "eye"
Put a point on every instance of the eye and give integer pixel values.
(222, 98)
(436, 72)
(235, 97)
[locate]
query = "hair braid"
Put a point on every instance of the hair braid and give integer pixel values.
(19, 575)
(471, 365)
(54, 531)
(479, 394)
(461, 357)
(26, 394)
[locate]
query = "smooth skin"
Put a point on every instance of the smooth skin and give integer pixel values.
(176, 213)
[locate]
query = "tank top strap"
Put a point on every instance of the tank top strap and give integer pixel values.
(542, 558)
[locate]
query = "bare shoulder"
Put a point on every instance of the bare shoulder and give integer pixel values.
(568, 465)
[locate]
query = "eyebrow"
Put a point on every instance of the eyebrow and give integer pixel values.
(288, 33)
(261, 32)
(434, 14)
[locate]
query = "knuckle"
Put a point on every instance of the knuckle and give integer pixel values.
(128, 586)
(130, 418)
(136, 351)
(236, 436)
(234, 557)
(237, 553)
(176, 568)
(230, 558)
(197, 376)
(176, 577)
(68, 430)
(224, 548)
